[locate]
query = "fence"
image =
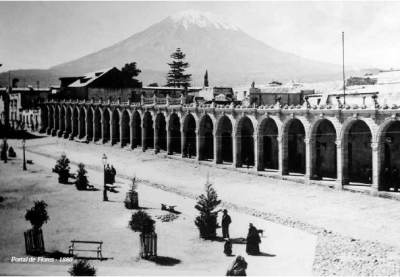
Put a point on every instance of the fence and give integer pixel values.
(148, 245)
(34, 243)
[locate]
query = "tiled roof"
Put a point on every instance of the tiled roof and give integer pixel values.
(89, 78)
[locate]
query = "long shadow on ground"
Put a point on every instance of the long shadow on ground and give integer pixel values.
(165, 261)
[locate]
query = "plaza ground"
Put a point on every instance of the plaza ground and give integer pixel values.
(82, 215)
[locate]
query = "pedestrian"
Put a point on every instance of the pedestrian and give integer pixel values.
(108, 174)
(113, 173)
(247, 162)
(395, 178)
(4, 148)
(189, 150)
(228, 247)
(226, 220)
(253, 241)
(387, 179)
(238, 267)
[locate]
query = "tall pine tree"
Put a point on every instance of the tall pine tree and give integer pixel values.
(176, 77)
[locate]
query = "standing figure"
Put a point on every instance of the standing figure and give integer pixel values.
(387, 179)
(189, 151)
(113, 173)
(395, 178)
(4, 148)
(246, 161)
(253, 241)
(238, 267)
(108, 174)
(226, 220)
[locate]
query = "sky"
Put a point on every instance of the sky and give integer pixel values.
(44, 34)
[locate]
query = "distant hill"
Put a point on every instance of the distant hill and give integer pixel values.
(230, 55)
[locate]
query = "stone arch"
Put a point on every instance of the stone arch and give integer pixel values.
(293, 145)
(62, 120)
(268, 131)
(56, 120)
(51, 119)
(174, 129)
(148, 130)
(190, 127)
(206, 131)
(89, 123)
(75, 122)
(105, 119)
(388, 138)
(323, 151)
(68, 121)
(97, 119)
(224, 139)
(136, 129)
(161, 131)
(82, 122)
(115, 126)
(357, 136)
(125, 128)
(245, 138)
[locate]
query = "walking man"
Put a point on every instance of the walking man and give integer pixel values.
(226, 220)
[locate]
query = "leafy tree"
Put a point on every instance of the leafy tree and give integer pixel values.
(131, 70)
(37, 215)
(153, 85)
(206, 205)
(81, 182)
(176, 77)
(142, 222)
(82, 268)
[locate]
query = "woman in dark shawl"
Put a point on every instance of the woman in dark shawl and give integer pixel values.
(238, 267)
(253, 241)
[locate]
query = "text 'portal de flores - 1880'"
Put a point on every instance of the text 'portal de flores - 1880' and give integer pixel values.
(349, 138)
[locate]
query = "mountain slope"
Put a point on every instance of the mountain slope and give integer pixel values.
(208, 42)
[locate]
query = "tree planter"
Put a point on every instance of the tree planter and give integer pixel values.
(63, 177)
(34, 243)
(132, 200)
(148, 245)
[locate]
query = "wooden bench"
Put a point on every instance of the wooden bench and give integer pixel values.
(164, 208)
(98, 250)
(111, 187)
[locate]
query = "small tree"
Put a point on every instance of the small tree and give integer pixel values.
(82, 268)
(81, 182)
(62, 169)
(132, 197)
(206, 205)
(176, 77)
(142, 222)
(37, 215)
(131, 71)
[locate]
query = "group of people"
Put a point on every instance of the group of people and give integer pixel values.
(239, 265)
(110, 174)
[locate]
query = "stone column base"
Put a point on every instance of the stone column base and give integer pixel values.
(374, 191)
(53, 132)
(338, 185)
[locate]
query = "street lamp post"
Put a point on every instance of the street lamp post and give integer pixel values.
(23, 147)
(104, 159)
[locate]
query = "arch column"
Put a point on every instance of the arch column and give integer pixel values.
(169, 152)
(281, 153)
(61, 123)
(112, 140)
(133, 135)
(183, 141)
(217, 159)
(308, 142)
(121, 141)
(197, 144)
(339, 166)
(375, 169)
(68, 124)
(237, 150)
(256, 152)
(48, 129)
(144, 134)
(80, 127)
(155, 137)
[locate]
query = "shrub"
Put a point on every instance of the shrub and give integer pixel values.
(37, 215)
(62, 169)
(82, 268)
(81, 182)
(206, 204)
(142, 222)
(132, 198)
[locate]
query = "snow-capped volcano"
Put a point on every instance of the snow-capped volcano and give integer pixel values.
(201, 19)
(209, 42)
